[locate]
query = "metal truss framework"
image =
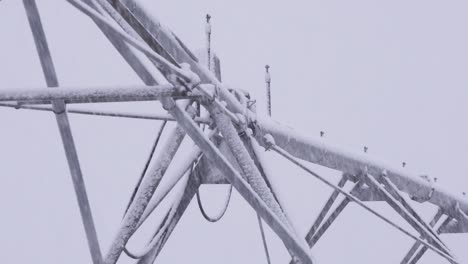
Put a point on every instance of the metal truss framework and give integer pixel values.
(227, 151)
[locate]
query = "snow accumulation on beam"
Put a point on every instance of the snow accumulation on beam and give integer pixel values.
(90, 94)
(328, 155)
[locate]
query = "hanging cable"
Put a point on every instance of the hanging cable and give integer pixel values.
(221, 214)
(145, 168)
(356, 200)
(202, 210)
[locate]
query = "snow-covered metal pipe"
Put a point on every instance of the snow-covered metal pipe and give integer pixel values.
(90, 94)
(144, 194)
(172, 179)
(325, 154)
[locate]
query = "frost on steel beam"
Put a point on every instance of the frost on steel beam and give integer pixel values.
(148, 186)
(151, 30)
(171, 180)
(71, 110)
(334, 157)
(209, 149)
(160, 39)
(130, 54)
(91, 94)
(64, 127)
(164, 65)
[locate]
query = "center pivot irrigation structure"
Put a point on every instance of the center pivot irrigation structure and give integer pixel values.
(230, 139)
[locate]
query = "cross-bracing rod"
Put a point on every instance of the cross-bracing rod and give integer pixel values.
(416, 244)
(91, 94)
(313, 238)
(64, 127)
(418, 255)
(430, 237)
(328, 204)
(393, 191)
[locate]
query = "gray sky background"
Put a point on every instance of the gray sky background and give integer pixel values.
(390, 75)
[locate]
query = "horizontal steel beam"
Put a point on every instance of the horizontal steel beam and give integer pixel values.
(72, 110)
(90, 94)
(328, 155)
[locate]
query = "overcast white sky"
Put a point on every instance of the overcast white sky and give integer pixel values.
(390, 75)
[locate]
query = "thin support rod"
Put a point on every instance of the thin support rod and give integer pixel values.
(357, 201)
(423, 250)
(264, 241)
(213, 154)
(416, 245)
(392, 189)
(268, 88)
(318, 221)
(65, 130)
(71, 110)
(327, 223)
(373, 183)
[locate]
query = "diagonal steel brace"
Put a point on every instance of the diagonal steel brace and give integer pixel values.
(59, 108)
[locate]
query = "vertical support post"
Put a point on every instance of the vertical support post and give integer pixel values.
(208, 40)
(59, 109)
(268, 88)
